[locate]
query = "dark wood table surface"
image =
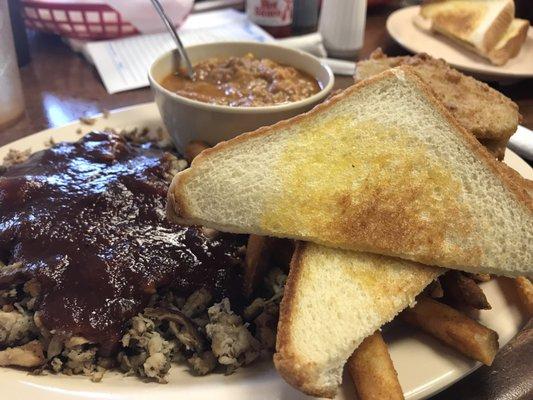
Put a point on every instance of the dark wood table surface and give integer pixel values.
(60, 86)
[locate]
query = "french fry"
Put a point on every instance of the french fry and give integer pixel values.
(464, 290)
(372, 371)
(194, 148)
(255, 262)
(454, 329)
(262, 253)
(525, 292)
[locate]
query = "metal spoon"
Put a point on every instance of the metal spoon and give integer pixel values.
(170, 27)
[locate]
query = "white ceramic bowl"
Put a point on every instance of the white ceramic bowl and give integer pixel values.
(188, 120)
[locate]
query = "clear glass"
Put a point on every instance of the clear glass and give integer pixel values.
(11, 98)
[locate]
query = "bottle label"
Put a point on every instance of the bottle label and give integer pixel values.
(270, 12)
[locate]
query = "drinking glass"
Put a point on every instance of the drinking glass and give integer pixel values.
(11, 98)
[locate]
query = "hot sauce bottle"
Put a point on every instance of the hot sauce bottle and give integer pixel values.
(274, 16)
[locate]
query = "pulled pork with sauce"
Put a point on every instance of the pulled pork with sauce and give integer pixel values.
(93, 277)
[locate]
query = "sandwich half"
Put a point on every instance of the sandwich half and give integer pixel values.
(380, 168)
(333, 300)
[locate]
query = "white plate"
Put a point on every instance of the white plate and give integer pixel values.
(402, 29)
(424, 366)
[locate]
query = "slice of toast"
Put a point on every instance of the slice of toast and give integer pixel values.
(478, 24)
(483, 111)
(382, 168)
(333, 300)
(511, 42)
(507, 47)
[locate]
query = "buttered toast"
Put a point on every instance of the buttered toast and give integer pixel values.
(333, 300)
(510, 43)
(478, 24)
(381, 168)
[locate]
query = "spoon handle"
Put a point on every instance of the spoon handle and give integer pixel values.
(181, 49)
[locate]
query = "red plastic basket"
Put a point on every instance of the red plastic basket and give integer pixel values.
(74, 20)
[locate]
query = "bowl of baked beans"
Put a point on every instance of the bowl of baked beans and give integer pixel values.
(237, 87)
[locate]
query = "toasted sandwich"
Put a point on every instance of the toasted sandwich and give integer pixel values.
(381, 168)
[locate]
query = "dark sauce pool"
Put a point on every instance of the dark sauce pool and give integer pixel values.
(87, 222)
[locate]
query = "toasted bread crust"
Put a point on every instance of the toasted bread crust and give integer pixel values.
(294, 370)
(500, 56)
(499, 25)
(176, 210)
(517, 187)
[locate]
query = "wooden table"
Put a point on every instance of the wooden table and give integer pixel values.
(60, 86)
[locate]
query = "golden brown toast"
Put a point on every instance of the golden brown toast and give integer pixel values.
(333, 300)
(475, 24)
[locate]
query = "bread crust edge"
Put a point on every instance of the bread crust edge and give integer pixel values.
(512, 48)
(498, 27)
(294, 370)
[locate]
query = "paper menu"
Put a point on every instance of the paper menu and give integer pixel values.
(143, 16)
(123, 63)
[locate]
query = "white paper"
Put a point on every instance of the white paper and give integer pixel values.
(142, 15)
(123, 63)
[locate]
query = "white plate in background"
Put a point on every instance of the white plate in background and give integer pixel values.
(424, 366)
(402, 29)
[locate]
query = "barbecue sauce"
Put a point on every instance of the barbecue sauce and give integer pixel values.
(86, 220)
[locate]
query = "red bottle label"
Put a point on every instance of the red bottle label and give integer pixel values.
(270, 13)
